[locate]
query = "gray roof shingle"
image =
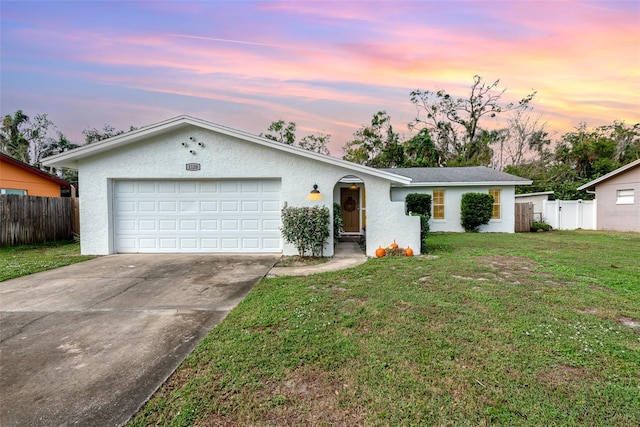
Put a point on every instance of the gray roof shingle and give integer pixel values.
(471, 174)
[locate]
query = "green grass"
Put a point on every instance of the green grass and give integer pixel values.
(16, 261)
(526, 329)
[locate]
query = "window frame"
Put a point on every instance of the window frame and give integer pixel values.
(441, 206)
(14, 191)
(496, 209)
(625, 199)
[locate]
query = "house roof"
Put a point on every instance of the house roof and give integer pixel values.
(69, 159)
(459, 176)
(539, 193)
(32, 169)
(611, 174)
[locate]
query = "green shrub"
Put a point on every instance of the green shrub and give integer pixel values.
(338, 222)
(476, 210)
(419, 204)
(307, 228)
(540, 226)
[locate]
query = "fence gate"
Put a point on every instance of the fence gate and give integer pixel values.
(524, 217)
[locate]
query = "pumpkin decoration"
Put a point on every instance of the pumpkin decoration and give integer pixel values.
(408, 251)
(394, 245)
(380, 252)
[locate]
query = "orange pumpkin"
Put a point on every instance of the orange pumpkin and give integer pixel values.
(394, 245)
(408, 251)
(380, 252)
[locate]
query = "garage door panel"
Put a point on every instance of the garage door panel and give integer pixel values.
(197, 216)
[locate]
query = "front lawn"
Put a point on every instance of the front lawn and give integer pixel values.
(526, 329)
(16, 261)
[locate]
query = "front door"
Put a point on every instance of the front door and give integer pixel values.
(350, 203)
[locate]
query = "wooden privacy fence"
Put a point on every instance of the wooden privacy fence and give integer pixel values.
(30, 219)
(524, 217)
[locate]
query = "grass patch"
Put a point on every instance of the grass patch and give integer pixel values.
(525, 329)
(17, 261)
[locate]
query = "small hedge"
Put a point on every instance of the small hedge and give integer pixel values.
(306, 228)
(476, 210)
(540, 226)
(420, 204)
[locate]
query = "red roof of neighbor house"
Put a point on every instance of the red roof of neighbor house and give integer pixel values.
(618, 171)
(17, 163)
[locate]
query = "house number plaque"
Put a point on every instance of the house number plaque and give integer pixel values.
(193, 166)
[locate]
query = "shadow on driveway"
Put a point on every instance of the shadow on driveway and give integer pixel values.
(89, 343)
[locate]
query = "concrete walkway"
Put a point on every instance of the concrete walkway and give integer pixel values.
(347, 255)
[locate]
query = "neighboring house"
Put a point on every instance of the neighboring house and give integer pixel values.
(189, 185)
(447, 185)
(20, 178)
(618, 198)
(537, 199)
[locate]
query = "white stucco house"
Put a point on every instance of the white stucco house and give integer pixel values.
(190, 185)
(447, 185)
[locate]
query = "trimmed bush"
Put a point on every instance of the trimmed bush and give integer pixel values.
(476, 210)
(540, 226)
(307, 228)
(420, 204)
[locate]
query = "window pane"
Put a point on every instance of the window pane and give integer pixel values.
(495, 213)
(624, 197)
(438, 212)
(438, 204)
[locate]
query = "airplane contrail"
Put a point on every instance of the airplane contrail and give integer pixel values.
(279, 46)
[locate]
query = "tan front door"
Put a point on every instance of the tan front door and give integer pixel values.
(350, 203)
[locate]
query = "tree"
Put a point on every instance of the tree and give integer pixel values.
(454, 122)
(286, 133)
(376, 145)
(92, 135)
(38, 131)
(420, 151)
(13, 140)
(26, 139)
(526, 137)
(317, 143)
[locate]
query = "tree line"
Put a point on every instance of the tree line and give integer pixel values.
(477, 129)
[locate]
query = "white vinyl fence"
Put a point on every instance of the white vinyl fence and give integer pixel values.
(570, 214)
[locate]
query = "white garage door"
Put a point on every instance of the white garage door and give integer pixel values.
(197, 216)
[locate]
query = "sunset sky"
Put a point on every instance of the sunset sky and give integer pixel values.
(328, 66)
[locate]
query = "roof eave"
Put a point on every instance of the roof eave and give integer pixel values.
(70, 158)
(467, 184)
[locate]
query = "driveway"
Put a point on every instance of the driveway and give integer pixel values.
(89, 343)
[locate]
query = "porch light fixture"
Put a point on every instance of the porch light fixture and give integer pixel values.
(315, 193)
(353, 187)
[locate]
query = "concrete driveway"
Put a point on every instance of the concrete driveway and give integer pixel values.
(89, 343)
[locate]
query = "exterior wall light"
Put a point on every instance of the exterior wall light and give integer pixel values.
(315, 193)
